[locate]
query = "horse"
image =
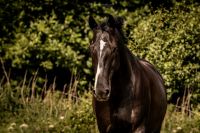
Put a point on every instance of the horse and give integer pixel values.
(129, 94)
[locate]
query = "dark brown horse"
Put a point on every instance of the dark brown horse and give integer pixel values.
(129, 95)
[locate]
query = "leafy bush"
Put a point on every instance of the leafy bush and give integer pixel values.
(49, 46)
(46, 43)
(53, 43)
(170, 40)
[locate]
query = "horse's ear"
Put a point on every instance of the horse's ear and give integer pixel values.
(111, 20)
(92, 22)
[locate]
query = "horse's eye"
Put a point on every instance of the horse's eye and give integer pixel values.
(114, 49)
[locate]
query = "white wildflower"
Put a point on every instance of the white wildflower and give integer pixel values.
(62, 117)
(51, 126)
(23, 125)
(10, 128)
(13, 124)
(179, 128)
(174, 131)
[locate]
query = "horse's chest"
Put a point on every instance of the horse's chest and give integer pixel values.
(122, 111)
(122, 114)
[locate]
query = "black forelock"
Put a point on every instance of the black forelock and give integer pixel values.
(118, 24)
(104, 26)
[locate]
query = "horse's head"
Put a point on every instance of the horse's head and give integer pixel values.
(104, 49)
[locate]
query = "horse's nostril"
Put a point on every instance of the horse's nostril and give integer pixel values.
(107, 92)
(93, 91)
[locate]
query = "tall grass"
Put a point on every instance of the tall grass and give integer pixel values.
(57, 112)
(68, 112)
(23, 110)
(183, 118)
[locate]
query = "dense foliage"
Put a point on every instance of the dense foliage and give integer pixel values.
(50, 39)
(170, 39)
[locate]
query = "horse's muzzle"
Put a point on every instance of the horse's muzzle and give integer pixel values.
(101, 95)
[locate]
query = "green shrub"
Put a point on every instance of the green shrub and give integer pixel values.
(170, 40)
(48, 45)
(58, 43)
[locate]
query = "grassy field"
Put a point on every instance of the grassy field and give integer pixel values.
(68, 113)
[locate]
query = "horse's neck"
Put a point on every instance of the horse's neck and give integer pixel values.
(123, 76)
(125, 63)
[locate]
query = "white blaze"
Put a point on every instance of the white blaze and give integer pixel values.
(99, 69)
(102, 44)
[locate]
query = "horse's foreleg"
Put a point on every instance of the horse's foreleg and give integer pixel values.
(102, 113)
(138, 115)
(140, 129)
(120, 123)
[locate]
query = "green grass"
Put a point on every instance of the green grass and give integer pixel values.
(181, 121)
(57, 112)
(66, 112)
